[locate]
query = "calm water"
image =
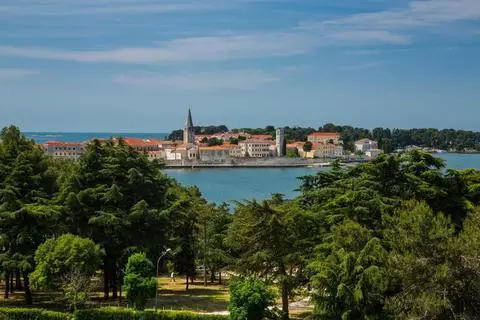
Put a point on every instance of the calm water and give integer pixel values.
(238, 184)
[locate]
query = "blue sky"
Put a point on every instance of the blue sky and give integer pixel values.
(136, 65)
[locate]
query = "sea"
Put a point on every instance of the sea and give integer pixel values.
(237, 184)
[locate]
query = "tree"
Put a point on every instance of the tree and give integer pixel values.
(139, 283)
(119, 198)
(68, 263)
(27, 214)
(250, 299)
(273, 239)
(307, 146)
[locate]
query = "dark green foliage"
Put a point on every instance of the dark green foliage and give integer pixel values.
(250, 299)
(307, 146)
(31, 314)
(214, 142)
(125, 314)
(139, 282)
(273, 239)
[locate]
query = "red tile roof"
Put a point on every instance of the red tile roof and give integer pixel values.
(63, 144)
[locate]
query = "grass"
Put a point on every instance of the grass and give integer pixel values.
(171, 296)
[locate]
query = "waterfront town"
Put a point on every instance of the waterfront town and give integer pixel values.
(230, 146)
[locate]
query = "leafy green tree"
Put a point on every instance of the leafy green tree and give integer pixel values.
(120, 199)
(68, 263)
(250, 299)
(273, 239)
(139, 283)
(27, 215)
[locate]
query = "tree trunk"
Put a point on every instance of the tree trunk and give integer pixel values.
(205, 254)
(285, 300)
(114, 282)
(12, 287)
(220, 277)
(7, 285)
(212, 276)
(26, 287)
(105, 281)
(18, 280)
(186, 283)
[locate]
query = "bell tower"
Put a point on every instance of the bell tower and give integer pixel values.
(188, 134)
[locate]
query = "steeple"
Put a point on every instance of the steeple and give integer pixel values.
(188, 131)
(188, 120)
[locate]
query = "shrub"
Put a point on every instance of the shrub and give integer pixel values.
(139, 283)
(31, 314)
(125, 314)
(250, 299)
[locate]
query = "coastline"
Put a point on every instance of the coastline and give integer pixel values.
(253, 163)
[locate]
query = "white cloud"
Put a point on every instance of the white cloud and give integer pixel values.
(187, 49)
(15, 73)
(392, 27)
(362, 66)
(247, 79)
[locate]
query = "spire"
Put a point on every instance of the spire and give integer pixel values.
(188, 120)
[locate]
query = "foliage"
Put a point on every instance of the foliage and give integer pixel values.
(273, 239)
(67, 263)
(31, 314)
(292, 153)
(139, 282)
(27, 215)
(307, 146)
(127, 314)
(250, 299)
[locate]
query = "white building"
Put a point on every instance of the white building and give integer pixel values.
(256, 148)
(65, 150)
(364, 145)
(372, 153)
(280, 142)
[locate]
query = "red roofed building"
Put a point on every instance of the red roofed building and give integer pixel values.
(325, 137)
(65, 150)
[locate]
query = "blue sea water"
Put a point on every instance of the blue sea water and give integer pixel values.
(223, 184)
(42, 137)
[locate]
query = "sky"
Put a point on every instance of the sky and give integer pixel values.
(138, 65)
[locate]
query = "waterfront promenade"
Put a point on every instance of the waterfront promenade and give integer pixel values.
(270, 162)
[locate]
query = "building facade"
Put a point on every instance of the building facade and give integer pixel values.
(65, 150)
(256, 148)
(364, 145)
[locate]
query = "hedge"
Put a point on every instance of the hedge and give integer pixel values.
(31, 314)
(125, 314)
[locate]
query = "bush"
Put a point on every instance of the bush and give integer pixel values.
(31, 314)
(125, 314)
(139, 283)
(250, 299)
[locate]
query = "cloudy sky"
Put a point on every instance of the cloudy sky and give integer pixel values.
(137, 65)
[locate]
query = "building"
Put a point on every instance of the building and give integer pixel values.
(256, 148)
(325, 137)
(372, 153)
(159, 155)
(280, 142)
(142, 145)
(188, 130)
(65, 150)
(364, 145)
(235, 151)
(213, 154)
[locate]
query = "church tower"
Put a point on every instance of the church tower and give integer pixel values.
(188, 134)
